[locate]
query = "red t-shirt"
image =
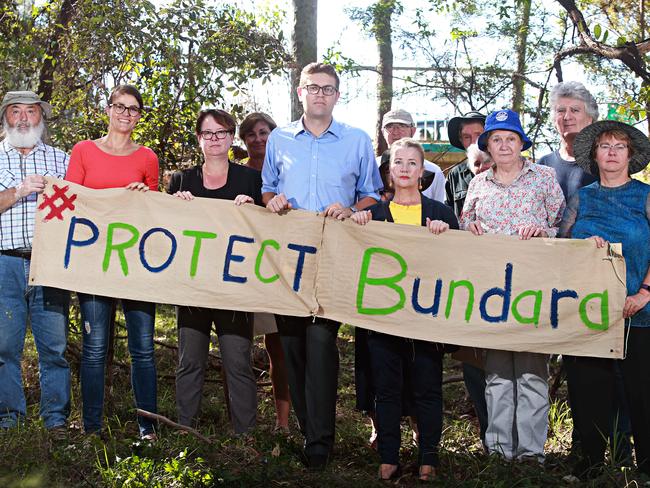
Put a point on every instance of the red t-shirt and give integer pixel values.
(90, 166)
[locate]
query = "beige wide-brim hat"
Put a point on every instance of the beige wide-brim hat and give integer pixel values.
(24, 97)
(585, 139)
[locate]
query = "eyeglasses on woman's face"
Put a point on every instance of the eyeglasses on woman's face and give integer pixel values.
(120, 108)
(209, 135)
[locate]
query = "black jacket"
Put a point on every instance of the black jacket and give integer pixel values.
(430, 208)
(435, 211)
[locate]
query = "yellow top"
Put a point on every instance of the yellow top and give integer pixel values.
(406, 214)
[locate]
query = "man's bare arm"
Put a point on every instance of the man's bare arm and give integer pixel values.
(31, 184)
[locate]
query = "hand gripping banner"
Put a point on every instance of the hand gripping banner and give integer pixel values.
(542, 295)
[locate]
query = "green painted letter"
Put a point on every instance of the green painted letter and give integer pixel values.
(389, 281)
(470, 299)
(534, 319)
(119, 248)
(258, 261)
(604, 311)
(198, 237)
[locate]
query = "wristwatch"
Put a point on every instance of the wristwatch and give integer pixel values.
(355, 209)
(645, 287)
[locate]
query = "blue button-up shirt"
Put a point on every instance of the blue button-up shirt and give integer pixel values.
(17, 222)
(315, 172)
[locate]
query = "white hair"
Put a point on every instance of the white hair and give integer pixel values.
(576, 91)
(23, 137)
(474, 154)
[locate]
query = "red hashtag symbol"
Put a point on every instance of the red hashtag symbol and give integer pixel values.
(50, 201)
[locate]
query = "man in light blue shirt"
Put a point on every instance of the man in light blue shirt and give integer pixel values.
(321, 165)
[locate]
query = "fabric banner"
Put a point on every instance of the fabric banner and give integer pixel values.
(542, 295)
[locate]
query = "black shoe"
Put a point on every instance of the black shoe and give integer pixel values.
(317, 462)
(58, 435)
(586, 471)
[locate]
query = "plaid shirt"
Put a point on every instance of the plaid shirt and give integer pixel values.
(17, 222)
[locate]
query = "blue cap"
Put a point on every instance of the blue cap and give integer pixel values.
(503, 120)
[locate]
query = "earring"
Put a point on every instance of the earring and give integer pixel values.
(420, 183)
(390, 182)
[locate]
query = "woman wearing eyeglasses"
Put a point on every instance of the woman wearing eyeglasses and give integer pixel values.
(616, 208)
(116, 161)
(220, 178)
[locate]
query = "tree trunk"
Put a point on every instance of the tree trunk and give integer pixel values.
(645, 85)
(382, 13)
(52, 53)
(518, 82)
(303, 46)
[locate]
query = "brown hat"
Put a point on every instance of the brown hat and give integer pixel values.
(26, 98)
(586, 138)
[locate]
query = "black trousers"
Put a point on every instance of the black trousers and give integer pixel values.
(312, 358)
(636, 378)
(390, 356)
(592, 388)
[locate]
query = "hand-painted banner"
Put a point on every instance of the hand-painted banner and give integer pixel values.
(542, 295)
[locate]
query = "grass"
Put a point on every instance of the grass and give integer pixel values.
(29, 459)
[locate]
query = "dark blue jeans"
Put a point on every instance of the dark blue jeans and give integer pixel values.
(95, 316)
(389, 355)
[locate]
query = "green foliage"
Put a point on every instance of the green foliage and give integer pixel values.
(145, 472)
(262, 458)
(185, 55)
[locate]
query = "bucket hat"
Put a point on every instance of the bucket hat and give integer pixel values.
(454, 125)
(503, 120)
(586, 138)
(24, 97)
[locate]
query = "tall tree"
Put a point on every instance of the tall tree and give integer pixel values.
(382, 13)
(518, 77)
(303, 45)
(53, 50)
(376, 21)
(182, 56)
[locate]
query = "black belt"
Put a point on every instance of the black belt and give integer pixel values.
(18, 253)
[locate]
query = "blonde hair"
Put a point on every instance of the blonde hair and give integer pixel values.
(406, 143)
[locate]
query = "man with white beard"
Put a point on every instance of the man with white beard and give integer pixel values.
(24, 161)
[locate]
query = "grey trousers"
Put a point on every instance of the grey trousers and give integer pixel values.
(235, 333)
(516, 393)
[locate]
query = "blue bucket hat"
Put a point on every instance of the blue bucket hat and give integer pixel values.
(503, 120)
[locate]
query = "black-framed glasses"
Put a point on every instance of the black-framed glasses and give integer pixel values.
(209, 135)
(132, 110)
(328, 90)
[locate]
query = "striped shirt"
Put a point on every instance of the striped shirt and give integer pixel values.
(17, 222)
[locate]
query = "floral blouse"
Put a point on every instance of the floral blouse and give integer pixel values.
(533, 198)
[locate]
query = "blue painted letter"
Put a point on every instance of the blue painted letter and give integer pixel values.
(504, 292)
(172, 251)
(301, 262)
(71, 242)
(234, 257)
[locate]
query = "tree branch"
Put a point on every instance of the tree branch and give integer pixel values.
(630, 54)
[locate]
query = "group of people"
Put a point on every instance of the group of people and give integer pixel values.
(321, 165)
